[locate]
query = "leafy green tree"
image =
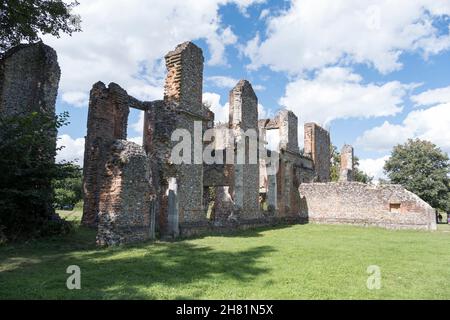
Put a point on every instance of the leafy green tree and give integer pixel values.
(26, 20)
(27, 169)
(358, 175)
(68, 185)
(421, 167)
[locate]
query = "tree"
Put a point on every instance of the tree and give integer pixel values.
(358, 175)
(27, 169)
(422, 168)
(26, 20)
(68, 185)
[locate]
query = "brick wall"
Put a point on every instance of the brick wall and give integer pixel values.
(389, 206)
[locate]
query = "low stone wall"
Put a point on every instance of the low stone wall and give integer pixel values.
(388, 206)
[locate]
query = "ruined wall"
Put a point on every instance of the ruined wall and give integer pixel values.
(184, 82)
(159, 123)
(107, 121)
(29, 78)
(346, 169)
(305, 172)
(243, 117)
(294, 168)
(125, 196)
(317, 146)
(182, 108)
(288, 124)
(389, 206)
(223, 205)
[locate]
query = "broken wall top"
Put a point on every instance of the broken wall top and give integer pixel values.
(29, 79)
(108, 112)
(184, 82)
(243, 107)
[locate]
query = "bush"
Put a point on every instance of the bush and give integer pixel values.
(68, 187)
(27, 165)
(3, 238)
(56, 226)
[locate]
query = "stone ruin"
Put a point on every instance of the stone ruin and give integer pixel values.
(180, 196)
(29, 79)
(134, 193)
(129, 204)
(346, 170)
(388, 206)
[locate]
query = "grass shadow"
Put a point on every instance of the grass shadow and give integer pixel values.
(37, 269)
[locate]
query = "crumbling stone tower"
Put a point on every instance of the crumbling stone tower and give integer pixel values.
(244, 117)
(184, 81)
(180, 189)
(125, 196)
(317, 145)
(107, 121)
(346, 170)
(281, 189)
(29, 79)
(117, 185)
(288, 124)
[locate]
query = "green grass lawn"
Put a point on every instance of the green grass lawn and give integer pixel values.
(290, 262)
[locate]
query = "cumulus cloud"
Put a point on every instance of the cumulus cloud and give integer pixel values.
(244, 4)
(138, 126)
(374, 167)
(313, 34)
(264, 14)
(124, 42)
(137, 140)
(229, 83)
(222, 81)
(432, 97)
(76, 98)
(428, 124)
(73, 149)
(338, 93)
(221, 112)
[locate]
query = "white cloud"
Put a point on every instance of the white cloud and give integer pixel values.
(217, 46)
(138, 126)
(313, 34)
(374, 167)
(73, 149)
(428, 124)
(229, 83)
(432, 97)
(244, 4)
(264, 14)
(384, 137)
(263, 113)
(221, 112)
(223, 81)
(124, 42)
(76, 98)
(338, 93)
(137, 140)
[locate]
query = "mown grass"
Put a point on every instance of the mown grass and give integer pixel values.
(288, 262)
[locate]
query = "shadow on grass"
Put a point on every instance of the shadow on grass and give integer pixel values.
(253, 232)
(137, 271)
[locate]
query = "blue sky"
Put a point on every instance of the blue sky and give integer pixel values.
(372, 73)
